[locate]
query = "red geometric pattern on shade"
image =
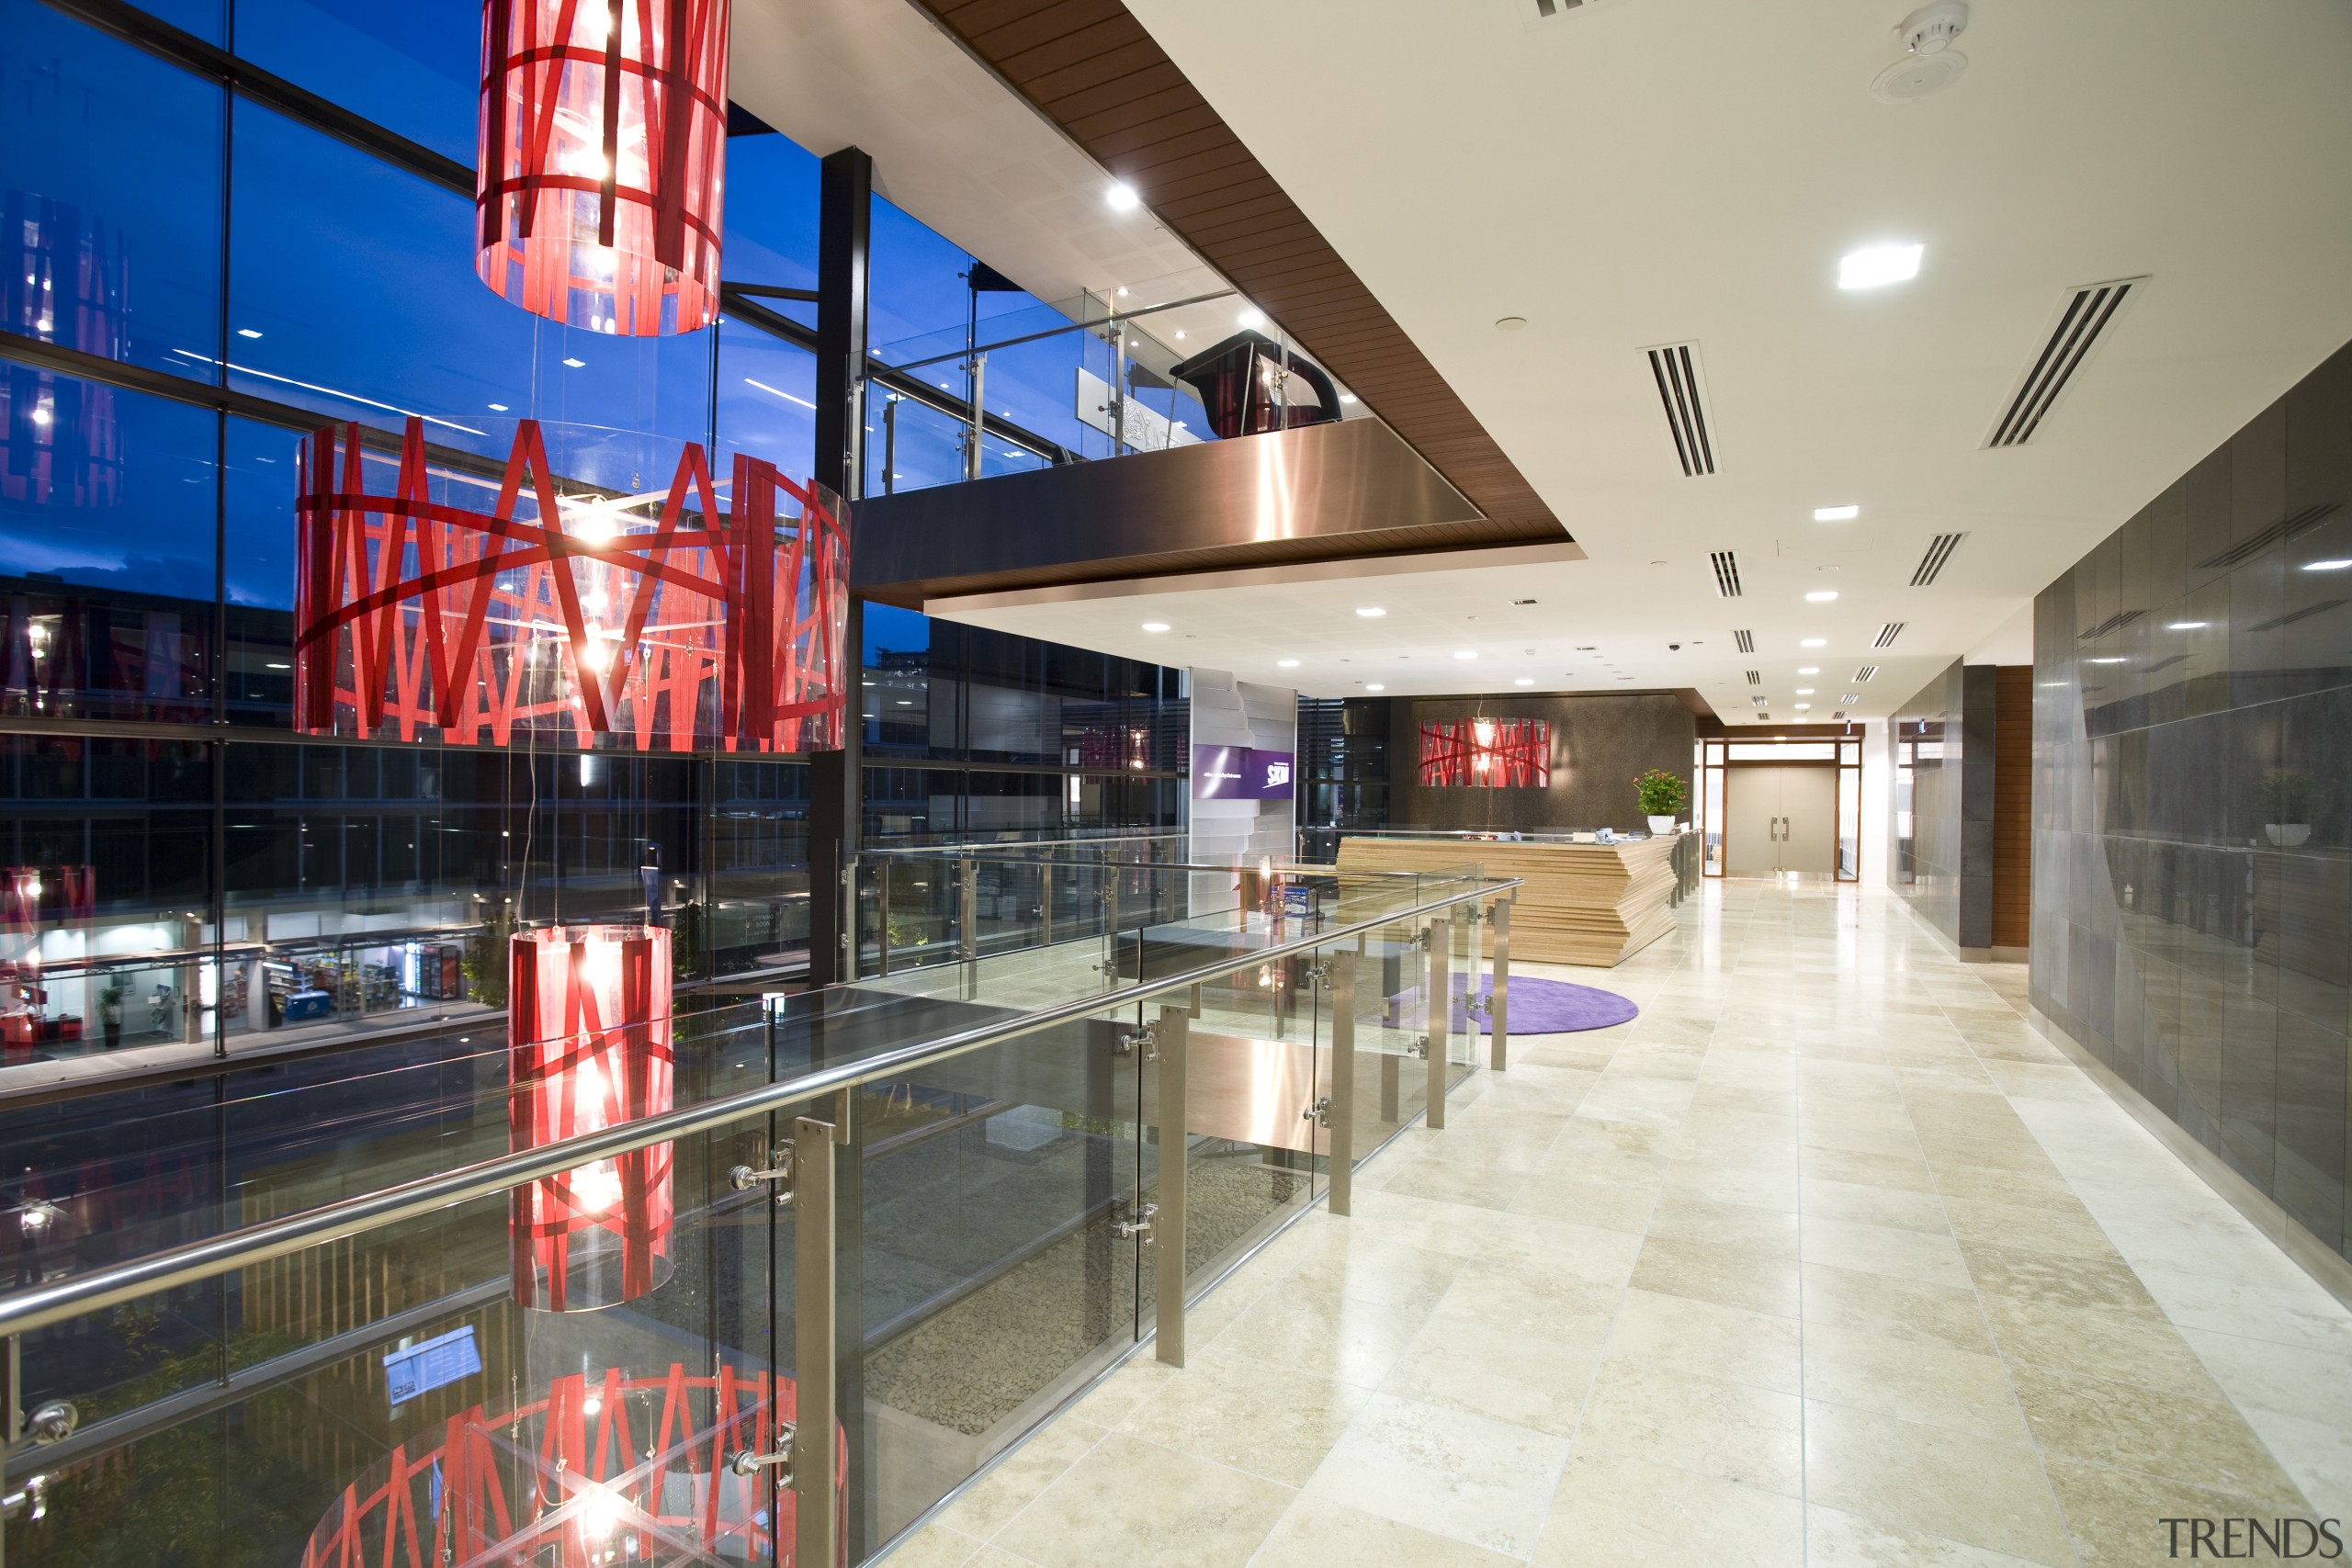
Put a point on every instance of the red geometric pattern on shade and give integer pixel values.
(601, 159)
(580, 1495)
(413, 614)
(1513, 753)
(588, 1047)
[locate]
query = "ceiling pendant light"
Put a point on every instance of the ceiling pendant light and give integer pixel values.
(601, 159)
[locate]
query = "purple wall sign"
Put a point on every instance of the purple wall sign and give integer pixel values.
(1240, 773)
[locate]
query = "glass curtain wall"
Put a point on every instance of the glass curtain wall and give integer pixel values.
(226, 226)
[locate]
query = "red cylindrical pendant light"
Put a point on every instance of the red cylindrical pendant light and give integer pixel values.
(602, 158)
(588, 1047)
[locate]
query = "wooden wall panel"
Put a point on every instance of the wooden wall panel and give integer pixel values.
(2013, 805)
(1093, 69)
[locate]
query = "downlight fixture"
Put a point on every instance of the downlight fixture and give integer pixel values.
(1511, 323)
(1930, 63)
(1122, 197)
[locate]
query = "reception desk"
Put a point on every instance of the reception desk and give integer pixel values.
(1596, 904)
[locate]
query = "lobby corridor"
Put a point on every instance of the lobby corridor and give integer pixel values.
(1828, 1258)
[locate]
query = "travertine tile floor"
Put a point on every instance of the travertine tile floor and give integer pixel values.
(1826, 1259)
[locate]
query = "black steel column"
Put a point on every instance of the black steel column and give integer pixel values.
(836, 802)
(845, 205)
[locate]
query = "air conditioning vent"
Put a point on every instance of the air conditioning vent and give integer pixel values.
(1759, 702)
(1756, 677)
(1865, 673)
(1726, 573)
(1675, 367)
(2081, 319)
(1745, 641)
(2114, 622)
(1940, 550)
(1888, 633)
(1848, 700)
(2285, 531)
(1763, 718)
(1533, 11)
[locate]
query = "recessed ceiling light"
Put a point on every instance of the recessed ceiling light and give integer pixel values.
(1815, 642)
(1155, 625)
(1465, 653)
(1808, 669)
(1122, 196)
(1804, 707)
(2188, 625)
(1804, 691)
(1835, 513)
(1874, 266)
(1511, 323)
(1286, 663)
(1123, 292)
(2114, 658)
(1374, 686)
(1524, 681)
(1344, 397)
(281, 667)
(2326, 565)
(1371, 612)
(1821, 596)
(497, 408)
(1251, 317)
(248, 332)
(577, 364)
(1180, 332)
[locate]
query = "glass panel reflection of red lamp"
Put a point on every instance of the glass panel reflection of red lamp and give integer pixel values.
(601, 158)
(588, 1044)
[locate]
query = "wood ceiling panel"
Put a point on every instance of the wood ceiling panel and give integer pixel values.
(1094, 70)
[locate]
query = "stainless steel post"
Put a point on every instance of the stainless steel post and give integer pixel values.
(1045, 905)
(1441, 1016)
(1167, 1225)
(1340, 995)
(814, 1446)
(882, 902)
(979, 391)
(1498, 1051)
(968, 909)
(1118, 389)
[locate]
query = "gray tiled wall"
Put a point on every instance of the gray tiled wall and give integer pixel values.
(1945, 868)
(2192, 684)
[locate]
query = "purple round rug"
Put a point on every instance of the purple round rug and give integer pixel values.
(1556, 1007)
(1543, 1006)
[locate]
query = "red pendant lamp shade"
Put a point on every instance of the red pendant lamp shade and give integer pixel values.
(588, 1047)
(602, 157)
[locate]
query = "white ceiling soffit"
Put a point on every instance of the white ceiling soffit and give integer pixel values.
(951, 144)
(2197, 146)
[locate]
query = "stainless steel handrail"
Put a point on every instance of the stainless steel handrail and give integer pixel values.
(976, 844)
(75, 1295)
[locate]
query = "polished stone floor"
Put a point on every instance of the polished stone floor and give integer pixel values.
(1826, 1259)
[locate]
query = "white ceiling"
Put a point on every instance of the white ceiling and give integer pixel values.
(951, 144)
(1667, 170)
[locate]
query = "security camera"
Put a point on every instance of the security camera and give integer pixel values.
(1674, 647)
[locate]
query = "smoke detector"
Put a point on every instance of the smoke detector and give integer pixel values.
(1929, 62)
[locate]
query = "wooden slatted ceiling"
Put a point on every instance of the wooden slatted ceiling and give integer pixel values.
(1090, 67)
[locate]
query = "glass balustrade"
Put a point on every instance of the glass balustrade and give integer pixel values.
(633, 1288)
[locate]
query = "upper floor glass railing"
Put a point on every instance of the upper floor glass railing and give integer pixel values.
(762, 1285)
(1154, 365)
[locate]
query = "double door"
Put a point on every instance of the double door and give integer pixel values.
(1781, 818)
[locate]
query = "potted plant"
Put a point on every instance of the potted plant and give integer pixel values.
(2288, 801)
(1662, 794)
(110, 1013)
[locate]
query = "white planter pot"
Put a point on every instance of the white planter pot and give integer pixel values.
(1661, 826)
(2287, 835)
